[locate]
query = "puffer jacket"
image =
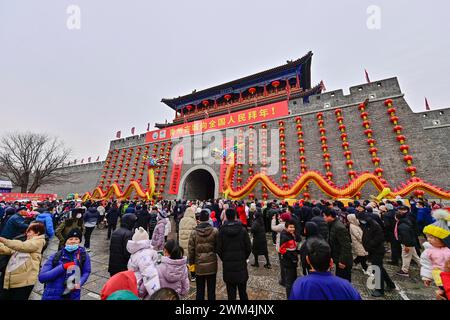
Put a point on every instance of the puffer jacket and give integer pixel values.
(187, 224)
(202, 249)
(259, 244)
(234, 248)
(91, 217)
(405, 232)
(322, 225)
(143, 262)
(173, 274)
(55, 277)
(158, 235)
(373, 239)
(118, 253)
(47, 219)
(14, 227)
(356, 235)
(23, 266)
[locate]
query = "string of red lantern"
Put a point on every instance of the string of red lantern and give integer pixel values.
(251, 171)
(323, 140)
(404, 148)
(240, 159)
(345, 145)
(301, 150)
(263, 140)
(370, 141)
(284, 176)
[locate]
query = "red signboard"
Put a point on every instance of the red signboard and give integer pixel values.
(264, 113)
(8, 197)
(176, 170)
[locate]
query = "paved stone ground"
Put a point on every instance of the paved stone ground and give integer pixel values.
(262, 284)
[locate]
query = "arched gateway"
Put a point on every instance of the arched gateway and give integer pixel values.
(199, 182)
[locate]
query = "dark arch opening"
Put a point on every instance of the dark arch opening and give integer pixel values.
(199, 185)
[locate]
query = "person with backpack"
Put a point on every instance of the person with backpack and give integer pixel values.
(47, 219)
(58, 272)
(73, 221)
(118, 253)
(22, 269)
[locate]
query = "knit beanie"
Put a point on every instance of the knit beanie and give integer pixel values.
(440, 228)
(74, 233)
(204, 215)
(140, 234)
(285, 216)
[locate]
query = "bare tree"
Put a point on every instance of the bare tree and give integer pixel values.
(31, 160)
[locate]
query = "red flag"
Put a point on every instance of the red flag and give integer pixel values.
(98, 158)
(148, 126)
(427, 106)
(118, 134)
(322, 85)
(367, 76)
(132, 130)
(89, 159)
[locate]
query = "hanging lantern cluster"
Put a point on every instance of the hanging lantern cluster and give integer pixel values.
(404, 148)
(251, 151)
(345, 145)
(370, 141)
(263, 148)
(284, 176)
(301, 150)
(323, 140)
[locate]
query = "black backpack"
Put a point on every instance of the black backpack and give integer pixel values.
(58, 256)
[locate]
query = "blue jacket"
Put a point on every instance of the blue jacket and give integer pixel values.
(15, 226)
(55, 278)
(424, 217)
(47, 219)
(323, 286)
(92, 215)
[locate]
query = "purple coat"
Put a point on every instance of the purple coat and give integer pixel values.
(174, 274)
(158, 235)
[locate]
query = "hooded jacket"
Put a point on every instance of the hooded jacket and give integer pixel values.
(173, 274)
(91, 217)
(125, 280)
(143, 262)
(234, 248)
(187, 224)
(356, 234)
(158, 234)
(202, 249)
(405, 232)
(373, 239)
(118, 253)
(47, 220)
(23, 266)
(14, 226)
(259, 245)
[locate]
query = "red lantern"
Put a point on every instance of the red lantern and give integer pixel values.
(319, 115)
(281, 123)
(205, 103)
(345, 145)
(388, 102)
(379, 171)
(411, 169)
(329, 175)
(263, 125)
(361, 106)
(284, 177)
(349, 163)
(368, 132)
(301, 149)
(376, 160)
(394, 119)
(391, 110)
(282, 136)
(189, 107)
(398, 128)
(339, 119)
(227, 97)
(371, 141)
(373, 150)
(364, 115)
(352, 173)
(326, 156)
(401, 138)
(404, 148)
(408, 158)
(300, 141)
(252, 90)
(275, 83)
(327, 165)
(324, 147)
(343, 136)
(298, 119)
(337, 111)
(303, 166)
(419, 193)
(306, 195)
(366, 123)
(323, 139)
(302, 158)
(322, 131)
(342, 127)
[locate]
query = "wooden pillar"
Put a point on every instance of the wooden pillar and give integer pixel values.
(265, 90)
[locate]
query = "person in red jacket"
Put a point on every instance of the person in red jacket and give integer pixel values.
(241, 214)
(125, 280)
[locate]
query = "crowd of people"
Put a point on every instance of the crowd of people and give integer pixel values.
(325, 240)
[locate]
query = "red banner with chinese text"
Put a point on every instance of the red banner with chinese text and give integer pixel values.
(263, 113)
(227, 143)
(176, 169)
(27, 196)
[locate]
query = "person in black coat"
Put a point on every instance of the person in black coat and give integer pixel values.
(143, 217)
(311, 233)
(373, 243)
(112, 215)
(406, 234)
(118, 253)
(234, 248)
(259, 245)
(320, 222)
(306, 215)
(153, 220)
(389, 227)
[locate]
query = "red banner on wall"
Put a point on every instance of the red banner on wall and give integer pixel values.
(267, 112)
(226, 143)
(27, 196)
(176, 169)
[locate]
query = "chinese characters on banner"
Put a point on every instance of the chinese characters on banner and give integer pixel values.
(263, 113)
(176, 170)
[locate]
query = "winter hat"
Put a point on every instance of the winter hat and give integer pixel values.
(389, 206)
(285, 216)
(122, 281)
(204, 215)
(122, 295)
(162, 215)
(440, 229)
(74, 233)
(140, 234)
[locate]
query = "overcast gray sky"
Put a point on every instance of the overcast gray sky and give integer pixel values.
(84, 85)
